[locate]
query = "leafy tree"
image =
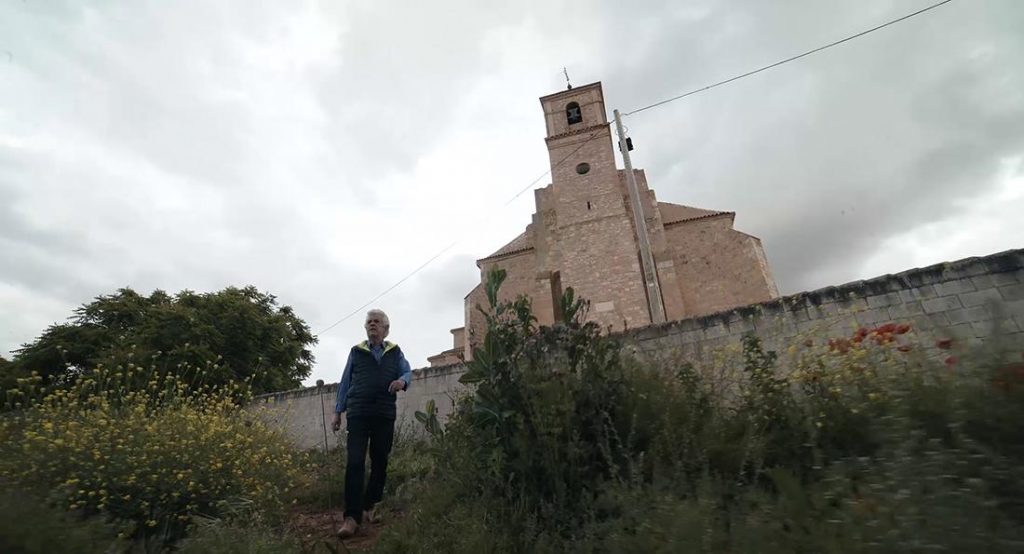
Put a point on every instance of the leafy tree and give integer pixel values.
(232, 335)
(6, 378)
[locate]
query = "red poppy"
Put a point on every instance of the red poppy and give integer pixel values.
(1013, 370)
(886, 329)
(944, 344)
(841, 345)
(904, 348)
(951, 361)
(902, 329)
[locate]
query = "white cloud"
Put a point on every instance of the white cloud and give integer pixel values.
(974, 227)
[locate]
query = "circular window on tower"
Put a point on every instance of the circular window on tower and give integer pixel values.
(583, 168)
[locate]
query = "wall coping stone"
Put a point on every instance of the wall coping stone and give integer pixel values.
(1002, 262)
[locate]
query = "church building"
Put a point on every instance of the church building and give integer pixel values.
(584, 235)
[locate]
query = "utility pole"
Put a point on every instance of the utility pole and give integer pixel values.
(654, 301)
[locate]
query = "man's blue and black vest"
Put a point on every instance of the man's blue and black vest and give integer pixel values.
(368, 394)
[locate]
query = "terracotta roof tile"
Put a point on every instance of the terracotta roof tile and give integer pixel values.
(519, 244)
(675, 213)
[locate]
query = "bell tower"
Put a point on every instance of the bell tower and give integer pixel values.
(584, 231)
(579, 138)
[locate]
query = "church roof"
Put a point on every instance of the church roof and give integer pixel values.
(678, 213)
(521, 243)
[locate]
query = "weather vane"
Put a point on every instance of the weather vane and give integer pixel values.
(566, 71)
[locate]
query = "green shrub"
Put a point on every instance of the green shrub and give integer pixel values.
(866, 443)
(149, 459)
(220, 538)
(29, 526)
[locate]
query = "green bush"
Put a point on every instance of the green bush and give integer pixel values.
(150, 458)
(864, 443)
(29, 526)
(220, 538)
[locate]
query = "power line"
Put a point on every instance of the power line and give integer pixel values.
(787, 60)
(452, 245)
(548, 172)
(636, 111)
(391, 288)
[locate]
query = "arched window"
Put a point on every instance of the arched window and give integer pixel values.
(573, 113)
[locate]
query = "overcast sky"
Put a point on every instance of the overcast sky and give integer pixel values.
(323, 150)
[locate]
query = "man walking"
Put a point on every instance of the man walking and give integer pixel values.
(374, 373)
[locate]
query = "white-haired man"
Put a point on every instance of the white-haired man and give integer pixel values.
(374, 373)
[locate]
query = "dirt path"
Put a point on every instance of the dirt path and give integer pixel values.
(318, 528)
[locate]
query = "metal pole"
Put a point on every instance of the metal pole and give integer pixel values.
(657, 308)
(327, 458)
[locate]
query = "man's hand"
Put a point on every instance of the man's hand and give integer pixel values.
(336, 423)
(396, 386)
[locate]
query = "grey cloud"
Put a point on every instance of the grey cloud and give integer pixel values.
(828, 156)
(222, 160)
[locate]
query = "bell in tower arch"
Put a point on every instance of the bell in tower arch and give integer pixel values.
(573, 113)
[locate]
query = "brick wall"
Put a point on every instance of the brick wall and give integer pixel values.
(969, 300)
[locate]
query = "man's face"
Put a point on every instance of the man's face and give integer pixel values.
(374, 328)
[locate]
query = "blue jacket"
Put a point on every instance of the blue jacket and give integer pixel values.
(368, 372)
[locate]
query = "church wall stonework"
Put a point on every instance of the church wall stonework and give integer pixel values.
(584, 235)
(304, 415)
(972, 300)
(716, 265)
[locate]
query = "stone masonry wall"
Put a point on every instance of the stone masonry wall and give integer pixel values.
(717, 266)
(299, 414)
(969, 300)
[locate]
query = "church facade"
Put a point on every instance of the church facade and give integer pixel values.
(583, 236)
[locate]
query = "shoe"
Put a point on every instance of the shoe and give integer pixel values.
(348, 528)
(371, 516)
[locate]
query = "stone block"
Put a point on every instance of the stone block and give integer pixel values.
(962, 331)
(923, 292)
(943, 304)
(801, 314)
(852, 303)
(1011, 309)
(980, 297)
(969, 315)
(829, 309)
(873, 317)
(714, 332)
(931, 322)
(982, 282)
(803, 327)
(1012, 292)
(690, 337)
(905, 310)
(884, 300)
(1007, 278)
(741, 326)
(994, 327)
(986, 329)
(958, 286)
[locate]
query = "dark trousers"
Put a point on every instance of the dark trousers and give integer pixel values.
(379, 433)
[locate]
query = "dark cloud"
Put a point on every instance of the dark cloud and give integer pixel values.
(827, 157)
